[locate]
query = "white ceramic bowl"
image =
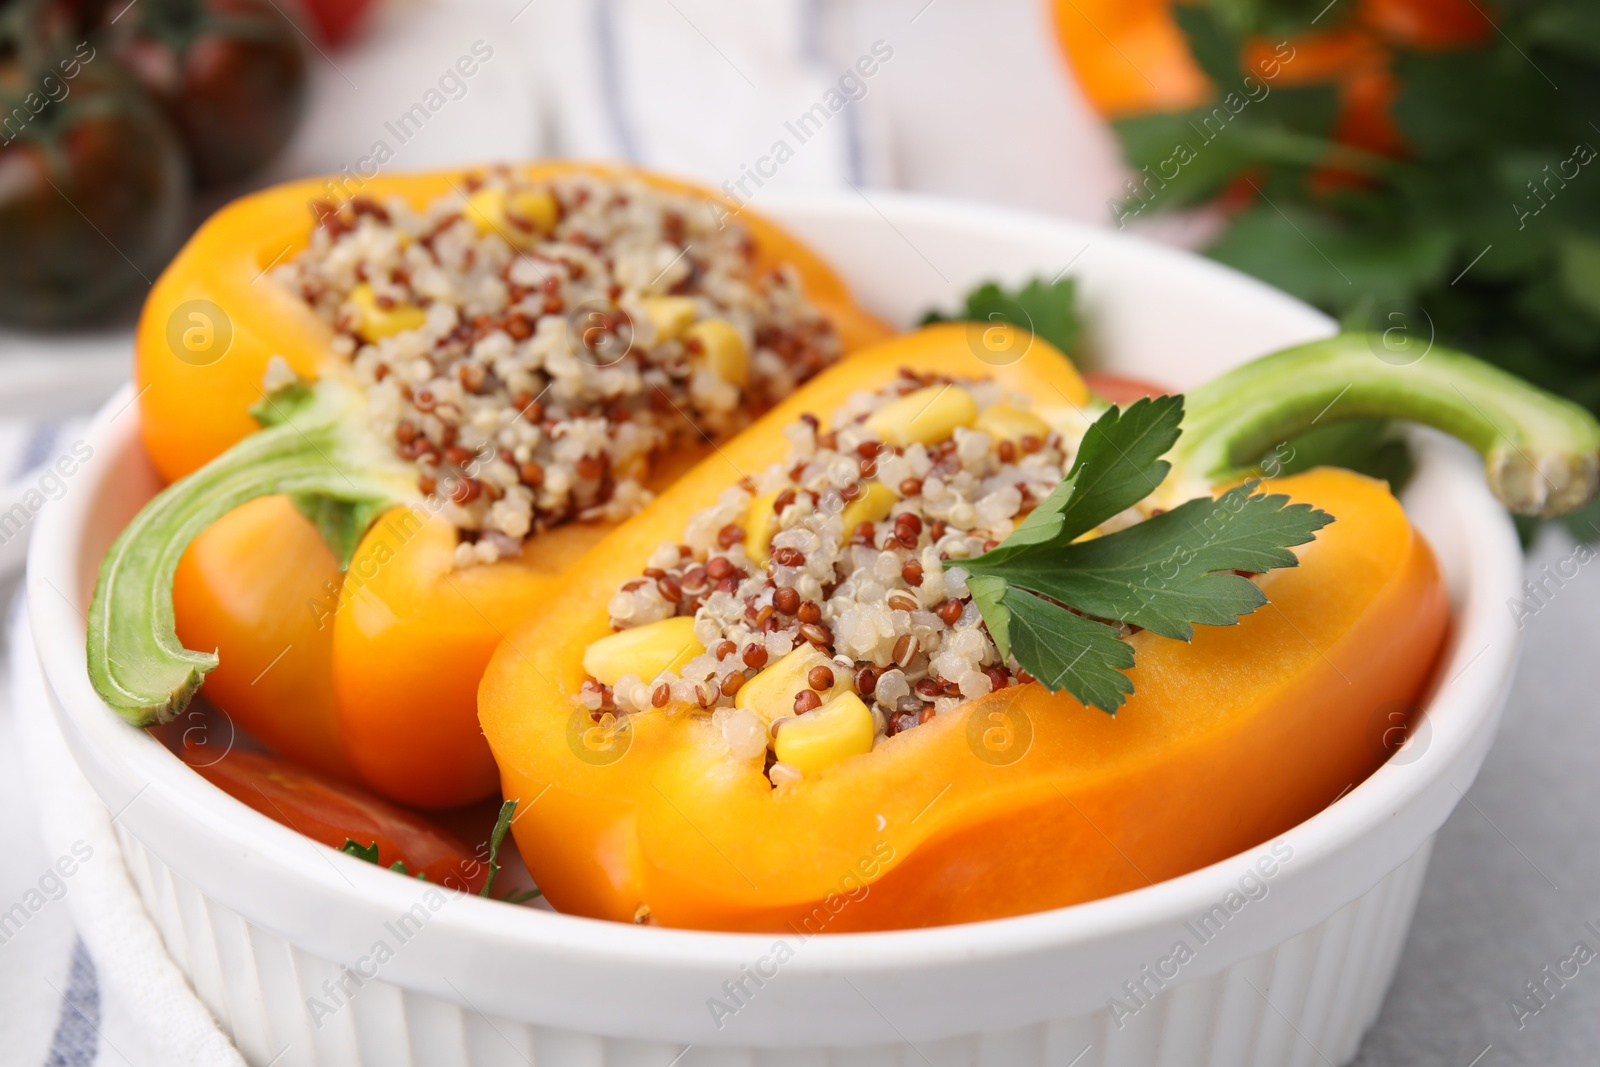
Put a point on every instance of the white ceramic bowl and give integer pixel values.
(260, 918)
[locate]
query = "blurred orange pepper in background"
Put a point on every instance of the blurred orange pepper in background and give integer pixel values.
(1130, 57)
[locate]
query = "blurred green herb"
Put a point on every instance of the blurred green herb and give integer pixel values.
(1047, 308)
(370, 854)
(1484, 234)
(1369, 446)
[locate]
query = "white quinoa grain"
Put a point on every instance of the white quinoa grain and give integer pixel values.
(745, 734)
(784, 776)
(975, 684)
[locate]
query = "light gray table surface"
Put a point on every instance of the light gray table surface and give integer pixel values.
(1515, 876)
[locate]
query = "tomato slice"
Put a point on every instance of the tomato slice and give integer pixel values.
(1119, 389)
(333, 813)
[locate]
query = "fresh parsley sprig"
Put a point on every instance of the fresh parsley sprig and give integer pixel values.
(497, 838)
(369, 852)
(1055, 602)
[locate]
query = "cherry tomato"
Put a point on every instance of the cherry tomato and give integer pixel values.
(336, 21)
(1117, 389)
(231, 73)
(94, 189)
(333, 813)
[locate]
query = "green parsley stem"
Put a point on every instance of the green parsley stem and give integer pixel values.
(314, 446)
(1542, 452)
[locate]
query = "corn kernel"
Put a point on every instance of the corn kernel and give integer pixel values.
(486, 209)
(839, 729)
(643, 650)
(722, 350)
(535, 207)
(1002, 422)
(670, 315)
(635, 469)
(760, 524)
(927, 416)
(871, 506)
(771, 693)
(522, 218)
(376, 322)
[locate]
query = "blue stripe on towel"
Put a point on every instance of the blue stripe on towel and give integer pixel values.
(816, 51)
(611, 89)
(77, 1038)
(41, 442)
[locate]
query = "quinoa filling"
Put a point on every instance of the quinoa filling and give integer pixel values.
(529, 345)
(839, 552)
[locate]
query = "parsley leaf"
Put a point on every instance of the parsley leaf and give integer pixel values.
(1173, 570)
(1060, 649)
(522, 897)
(1048, 309)
(501, 824)
(1210, 43)
(1119, 464)
(496, 839)
(370, 854)
(1053, 601)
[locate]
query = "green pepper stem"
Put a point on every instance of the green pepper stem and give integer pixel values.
(1542, 453)
(314, 444)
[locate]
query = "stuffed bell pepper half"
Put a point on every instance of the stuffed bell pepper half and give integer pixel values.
(938, 641)
(395, 410)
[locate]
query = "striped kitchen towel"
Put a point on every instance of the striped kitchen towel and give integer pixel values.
(119, 997)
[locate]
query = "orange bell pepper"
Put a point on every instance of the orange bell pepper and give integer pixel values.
(1130, 57)
(372, 676)
(1023, 799)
